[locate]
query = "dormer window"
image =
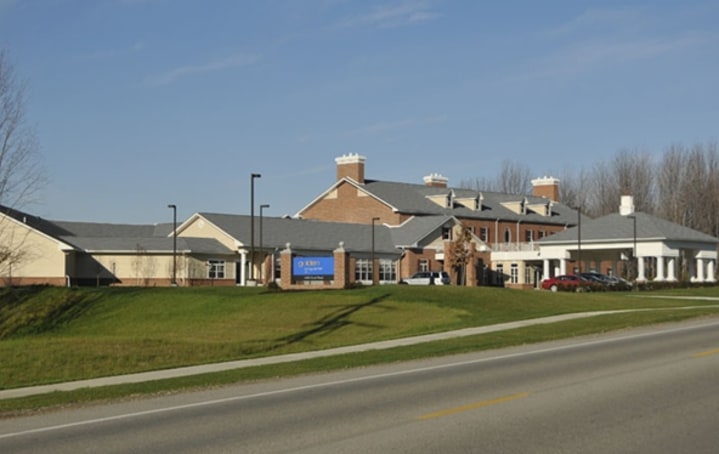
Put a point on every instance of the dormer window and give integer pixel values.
(450, 200)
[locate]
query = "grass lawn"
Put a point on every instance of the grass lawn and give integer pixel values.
(52, 334)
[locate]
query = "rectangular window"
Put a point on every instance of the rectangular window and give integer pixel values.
(528, 236)
(423, 265)
(483, 234)
(216, 269)
(363, 270)
(499, 276)
(541, 234)
(528, 275)
(387, 270)
(278, 267)
(514, 273)
(446, 233)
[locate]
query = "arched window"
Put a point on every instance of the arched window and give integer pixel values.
(507, 235)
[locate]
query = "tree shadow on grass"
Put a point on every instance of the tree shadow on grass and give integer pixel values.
(42, 309)
(328, 324)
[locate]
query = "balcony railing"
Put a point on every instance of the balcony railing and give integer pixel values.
(515, 247)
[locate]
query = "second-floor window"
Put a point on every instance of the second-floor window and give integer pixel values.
(528, 236)
(484, 234)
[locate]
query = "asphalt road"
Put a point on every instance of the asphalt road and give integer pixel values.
(652, 390)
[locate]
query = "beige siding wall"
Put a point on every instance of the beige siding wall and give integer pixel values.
(38, 256)
(200, 228)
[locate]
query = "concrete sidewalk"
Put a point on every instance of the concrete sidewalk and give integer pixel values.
(219, 367)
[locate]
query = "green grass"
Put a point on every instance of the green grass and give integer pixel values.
(54, 335)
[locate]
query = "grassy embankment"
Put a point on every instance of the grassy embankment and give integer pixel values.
(51, 335)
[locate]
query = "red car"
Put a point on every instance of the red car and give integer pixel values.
(566, 281)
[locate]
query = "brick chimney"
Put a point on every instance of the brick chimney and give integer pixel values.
(547, 187)
(352, 166)
(436, 180)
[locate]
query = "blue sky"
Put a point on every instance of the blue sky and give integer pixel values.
(141, 103)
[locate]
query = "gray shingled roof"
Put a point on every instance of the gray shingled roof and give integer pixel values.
(616, 227)
(104, 237)
(305, 234)
(105, 230)
(410, 233)
(412, 199)
(150, 245)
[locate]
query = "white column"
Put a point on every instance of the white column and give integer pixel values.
(710, 271)
(660, 269)
(671, 271)
(545, 269)
(700, 271)
(243, 267)
(563, 266)
(640, 269)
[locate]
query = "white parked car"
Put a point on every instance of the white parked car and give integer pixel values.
(428, 278)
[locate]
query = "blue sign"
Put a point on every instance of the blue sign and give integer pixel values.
(313, 266)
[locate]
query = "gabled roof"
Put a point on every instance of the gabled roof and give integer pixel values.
(415, 199)
(40, 225)
(304, 234)
(345, 180)
(98, 237)
(616, 227)
(417, 228)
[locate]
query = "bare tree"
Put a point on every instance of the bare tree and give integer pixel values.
(574, 190)
(670, 175)
(21, 175)
(631, 172)
(514, 178)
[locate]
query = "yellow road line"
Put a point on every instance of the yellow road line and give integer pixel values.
(474, 406)
(707, 353)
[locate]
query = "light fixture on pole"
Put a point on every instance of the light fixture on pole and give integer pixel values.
(262, 263)
(374, 274)
(174, 243)
(252, 223)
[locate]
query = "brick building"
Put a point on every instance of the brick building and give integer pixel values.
(503, 228)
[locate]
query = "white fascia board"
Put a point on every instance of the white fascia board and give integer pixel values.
(187, 223)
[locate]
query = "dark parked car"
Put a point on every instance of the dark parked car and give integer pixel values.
(566, 282)
(616, 283)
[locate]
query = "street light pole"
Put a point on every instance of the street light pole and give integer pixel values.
(262, 264)
(579, 239)
(634, 246)
(252, 223)
(174, 243)
(374, 274)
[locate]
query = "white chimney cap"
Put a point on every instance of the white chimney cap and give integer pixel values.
(435, 178)
(545, 181)
(351, 158)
